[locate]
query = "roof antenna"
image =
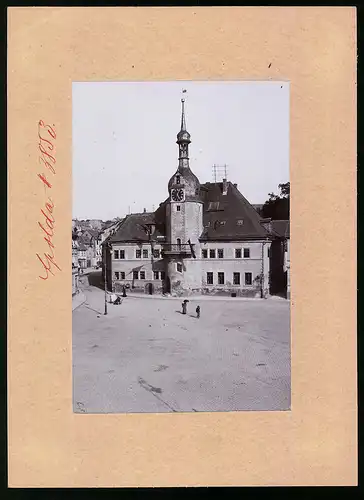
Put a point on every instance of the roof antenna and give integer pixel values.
(219, 172)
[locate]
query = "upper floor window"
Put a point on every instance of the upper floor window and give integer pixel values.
(163, 275)
(138, 253)
(179, 267)
(122, 275)
(178, 208)
(238, 253)
(116, 275)
(142, 275)
(204, 253)
(220, 253)
(246, 253)
(156, 254)
(156, 275)
(135, 275)
(212, 253)
(145, 253)
(116, 254)
(122, 254)
(240, 222)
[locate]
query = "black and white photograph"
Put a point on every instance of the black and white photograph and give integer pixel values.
(181, 247)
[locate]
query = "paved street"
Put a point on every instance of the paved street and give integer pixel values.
(145, 356)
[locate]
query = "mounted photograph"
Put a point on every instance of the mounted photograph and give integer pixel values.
(181, 247)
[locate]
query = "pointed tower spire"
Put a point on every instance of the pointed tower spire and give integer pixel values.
(183, 118)
(183, 137)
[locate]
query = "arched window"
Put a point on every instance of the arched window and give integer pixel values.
(178, 179)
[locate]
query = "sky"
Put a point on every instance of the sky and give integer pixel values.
(124, 140)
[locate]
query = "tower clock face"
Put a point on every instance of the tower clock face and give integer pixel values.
(177, 194)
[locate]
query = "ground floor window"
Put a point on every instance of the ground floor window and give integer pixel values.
(122, 275)
(116, 275)
(179, 267)
(236, 278)
(156, 275)
(135, 275)
(163, 275)
(221, 278)
(156, 254)
(142, 275)
(248, 278)
(210, 278)
(145, 254)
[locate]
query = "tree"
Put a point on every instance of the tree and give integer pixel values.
(277, 206)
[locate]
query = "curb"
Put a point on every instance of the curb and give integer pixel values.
(76, 304)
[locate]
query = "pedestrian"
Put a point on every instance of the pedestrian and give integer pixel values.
(198, 311)
(184, 307)
(124, 291)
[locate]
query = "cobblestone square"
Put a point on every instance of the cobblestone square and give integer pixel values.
(145, 356)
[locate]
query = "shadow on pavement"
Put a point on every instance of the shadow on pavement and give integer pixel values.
(95, 279)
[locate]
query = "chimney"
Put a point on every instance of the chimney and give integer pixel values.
(224, 186)
(236, 186)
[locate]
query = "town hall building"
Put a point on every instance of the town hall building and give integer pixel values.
(203, 239)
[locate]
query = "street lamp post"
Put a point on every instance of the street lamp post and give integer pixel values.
(107, 249)
(105, 312)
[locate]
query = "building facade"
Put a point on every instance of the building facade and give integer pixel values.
(204, 238)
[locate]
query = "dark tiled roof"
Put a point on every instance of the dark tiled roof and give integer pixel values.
(225, 217)
(93, 232)
(132, 229)
(281, 228)
(229, 216)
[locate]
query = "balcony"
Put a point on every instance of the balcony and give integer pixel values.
(181, 250)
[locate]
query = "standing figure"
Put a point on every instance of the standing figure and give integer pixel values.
(198, 311)
(184, 307)
(124, 291)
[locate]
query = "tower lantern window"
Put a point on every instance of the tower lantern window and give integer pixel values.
(178, 179)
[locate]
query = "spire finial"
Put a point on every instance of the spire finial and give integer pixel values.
(183, 118)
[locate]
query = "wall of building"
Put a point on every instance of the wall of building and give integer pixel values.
(131, 263)
(193, 278)
(184, 224)
(74, 281)
(230, 265)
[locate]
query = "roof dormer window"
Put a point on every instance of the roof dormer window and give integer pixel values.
(178, 179)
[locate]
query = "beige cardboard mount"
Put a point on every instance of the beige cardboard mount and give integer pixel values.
(316, 442)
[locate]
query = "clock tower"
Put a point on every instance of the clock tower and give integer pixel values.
(184, 219)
